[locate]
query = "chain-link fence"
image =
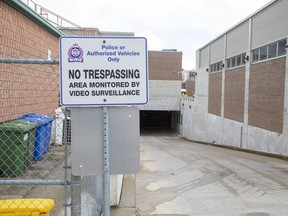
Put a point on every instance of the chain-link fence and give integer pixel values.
(91, 195)
(34, 155)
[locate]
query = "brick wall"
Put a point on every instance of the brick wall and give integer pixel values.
(234, 94)
(165, 65)
(215, 92)
(190, 87)
(26, 88)
(266, 95)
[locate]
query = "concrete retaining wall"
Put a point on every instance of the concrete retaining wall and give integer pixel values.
(199, 125)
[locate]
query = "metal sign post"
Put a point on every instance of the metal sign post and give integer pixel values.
(100, 79)
(106, 172)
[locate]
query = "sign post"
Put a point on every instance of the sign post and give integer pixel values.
(106, 164)
(101, 72)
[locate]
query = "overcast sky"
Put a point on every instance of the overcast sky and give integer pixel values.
(185, 25)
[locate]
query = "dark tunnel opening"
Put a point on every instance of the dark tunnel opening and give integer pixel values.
(155, 119)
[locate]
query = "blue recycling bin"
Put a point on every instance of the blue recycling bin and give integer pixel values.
(48, 126)
(43, 133)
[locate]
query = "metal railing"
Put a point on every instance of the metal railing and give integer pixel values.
(50, 16)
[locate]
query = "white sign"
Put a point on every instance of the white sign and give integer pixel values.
(103, 71)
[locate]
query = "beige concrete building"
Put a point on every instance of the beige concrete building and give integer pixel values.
(241, 88)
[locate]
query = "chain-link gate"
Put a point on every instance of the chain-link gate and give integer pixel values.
(34, 139)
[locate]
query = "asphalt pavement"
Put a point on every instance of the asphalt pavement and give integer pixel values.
(183, 178)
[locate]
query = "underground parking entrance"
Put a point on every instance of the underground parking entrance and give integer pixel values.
(158, 121)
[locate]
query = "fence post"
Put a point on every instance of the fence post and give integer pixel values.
(75, 195)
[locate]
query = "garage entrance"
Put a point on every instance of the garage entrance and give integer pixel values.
(155, 119)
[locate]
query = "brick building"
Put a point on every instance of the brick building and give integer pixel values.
(188, 82)
(262, 55)
(165, 65)
(242, 83)
(164, 79)
(34, 88)
(164, 89)
(27, 88)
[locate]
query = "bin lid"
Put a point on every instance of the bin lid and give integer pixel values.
(35, 115)
(20, 126)
(12, 205)
(40, 121)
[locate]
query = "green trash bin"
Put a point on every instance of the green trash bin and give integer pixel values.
(16, 147)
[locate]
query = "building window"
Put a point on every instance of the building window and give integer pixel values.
(243, 60)
(228, 63)
(263, 53)
(272, 50)
(282, 47)
(233, 62)
(192, 75)
(216, 67)
(269, 51)
(236, 61)
(255, 55)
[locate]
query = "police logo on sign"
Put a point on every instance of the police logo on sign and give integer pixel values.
(75, 53)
